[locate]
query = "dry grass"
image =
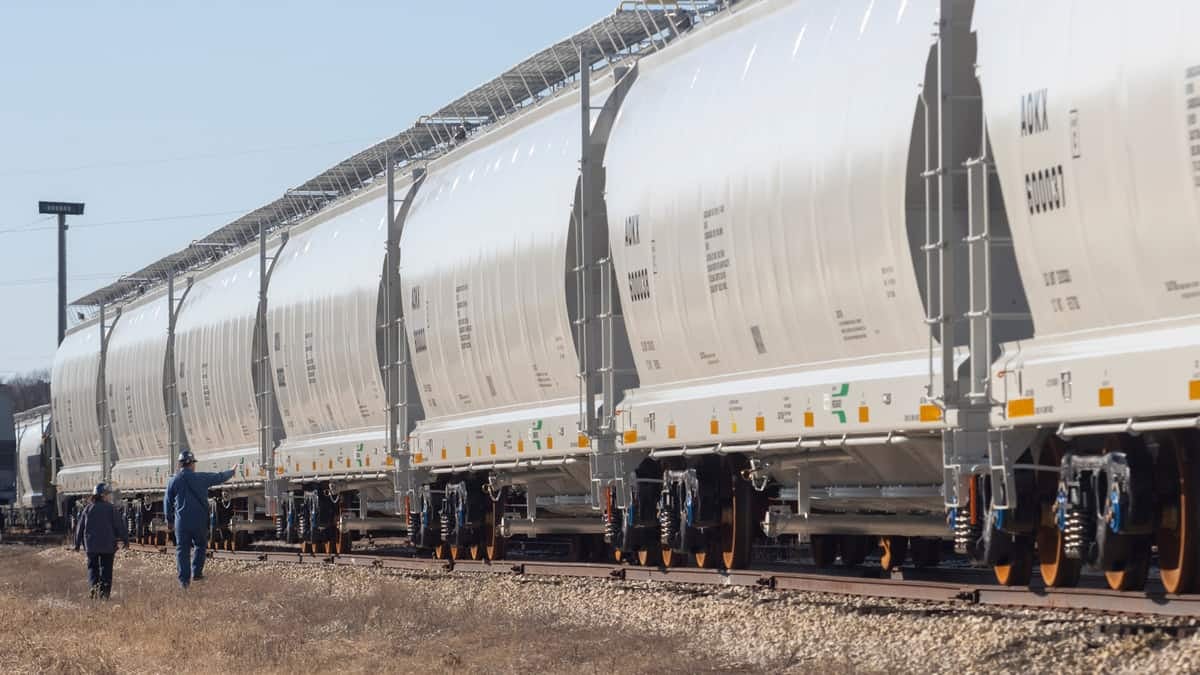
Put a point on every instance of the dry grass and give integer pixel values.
(283, 619)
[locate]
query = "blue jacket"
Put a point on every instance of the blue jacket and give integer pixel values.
(99, 528)
(187, 498)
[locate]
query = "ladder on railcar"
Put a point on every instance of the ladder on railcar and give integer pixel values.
(103, 415)
(970, 445)
(965, 409)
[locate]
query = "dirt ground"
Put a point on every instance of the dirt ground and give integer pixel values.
(243, 619)
(249, 617)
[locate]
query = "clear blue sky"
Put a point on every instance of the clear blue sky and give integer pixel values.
(166, 109)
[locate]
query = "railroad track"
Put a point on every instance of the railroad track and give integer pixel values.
(32, 538)
(895, 587)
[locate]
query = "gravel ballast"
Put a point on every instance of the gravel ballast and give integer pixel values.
(679, 627)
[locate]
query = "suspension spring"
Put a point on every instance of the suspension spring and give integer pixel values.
(280, 528)
(302, 525)
(612, 526)
(965, 534)
(668, 523)
(1077, 535)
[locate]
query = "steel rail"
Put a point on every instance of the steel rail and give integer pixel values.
(956, 592)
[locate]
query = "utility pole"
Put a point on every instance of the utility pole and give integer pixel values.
(62, 210)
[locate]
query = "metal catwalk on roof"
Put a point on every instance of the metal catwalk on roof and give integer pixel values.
(635, 27)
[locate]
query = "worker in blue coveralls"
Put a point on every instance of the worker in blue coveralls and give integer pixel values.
(187, 502)
(98, 529)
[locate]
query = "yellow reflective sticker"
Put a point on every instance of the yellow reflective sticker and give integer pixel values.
(1020, 407)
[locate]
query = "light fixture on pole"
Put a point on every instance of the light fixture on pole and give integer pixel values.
(62, 210)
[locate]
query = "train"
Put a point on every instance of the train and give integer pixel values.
(883, 275)
(33, 507)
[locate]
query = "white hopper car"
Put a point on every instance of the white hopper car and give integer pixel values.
(731, 324)
(32, 508)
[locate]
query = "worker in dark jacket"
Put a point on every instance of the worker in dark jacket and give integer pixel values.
(187, 504)
(98, 529)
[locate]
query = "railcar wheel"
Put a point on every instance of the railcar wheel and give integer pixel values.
(707, 559)
(895, 552)
(823, 548)
(1125, 558)
(926, 552)
(575, 548)
(441, 551)
(458, 552)
(344, 543)
(1016, 567)
(492, 544)
(672, 558)
(650, 557)
(1133, 569)
(1177, 537)
(854, 549)
(1058, 571)
(738, 516)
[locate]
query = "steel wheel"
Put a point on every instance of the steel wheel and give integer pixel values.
(1125, 558)
(824, 549)
(737, 520)
(1016, 567)
(575, 548)
(1176, 535)
(441, 551)
(344, 543)
(854, 549)
(1058, 571)
(1133, 569)
(650, 557)
(672, 558)
(708, 558)
(493, 543)
(926, 552)
(895, 552)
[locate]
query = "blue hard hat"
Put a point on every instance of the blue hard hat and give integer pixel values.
(186, 457)
(101, 489)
